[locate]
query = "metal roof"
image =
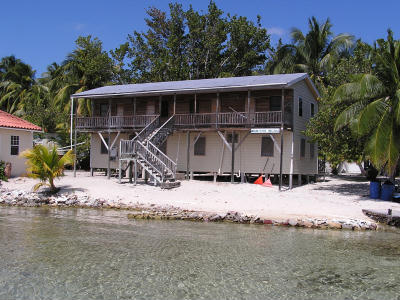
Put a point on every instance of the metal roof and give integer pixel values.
(200, 85)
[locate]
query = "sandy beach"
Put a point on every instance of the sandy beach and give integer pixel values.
(336, 198)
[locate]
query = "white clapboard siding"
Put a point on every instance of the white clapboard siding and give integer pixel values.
(304, 165)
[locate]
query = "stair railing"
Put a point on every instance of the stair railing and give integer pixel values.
(151, 158)
(169, 163)
(159, 135)
(128, 146)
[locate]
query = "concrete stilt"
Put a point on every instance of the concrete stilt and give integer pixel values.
(191, 175)
(91, 172)
(299, 179)
(290, 181)
(215, 177)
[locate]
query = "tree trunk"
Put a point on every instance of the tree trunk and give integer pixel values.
(52, 186)
(363, 172)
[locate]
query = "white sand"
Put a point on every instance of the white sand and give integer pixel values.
(337, 198)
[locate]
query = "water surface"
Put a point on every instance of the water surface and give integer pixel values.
(95, 254)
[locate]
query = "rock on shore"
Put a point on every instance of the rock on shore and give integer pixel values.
(30, 199)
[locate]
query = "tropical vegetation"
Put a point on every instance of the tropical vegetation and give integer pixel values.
(45, 164)
(358, 117)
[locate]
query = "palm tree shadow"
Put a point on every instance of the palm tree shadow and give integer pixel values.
(354, 186)
(63, 189)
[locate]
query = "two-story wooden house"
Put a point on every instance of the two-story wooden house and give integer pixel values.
(237, 126)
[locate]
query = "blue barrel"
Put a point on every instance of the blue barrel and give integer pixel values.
(387, 192)
(374, 189)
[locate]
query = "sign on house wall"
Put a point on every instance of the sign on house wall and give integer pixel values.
(265, 130)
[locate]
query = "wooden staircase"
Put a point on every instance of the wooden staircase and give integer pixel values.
(143, 149)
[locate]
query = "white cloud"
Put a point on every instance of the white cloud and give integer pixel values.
(276, 31)
(79, 26)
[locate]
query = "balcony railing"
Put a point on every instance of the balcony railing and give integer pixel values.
(229, 119)
(114, 122)
(239, 119)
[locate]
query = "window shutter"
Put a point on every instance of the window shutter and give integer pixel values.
(200, 146)
(267, 146)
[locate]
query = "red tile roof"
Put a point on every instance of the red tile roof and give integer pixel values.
(11, 121)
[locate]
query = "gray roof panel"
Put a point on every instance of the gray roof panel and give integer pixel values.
(192, 85)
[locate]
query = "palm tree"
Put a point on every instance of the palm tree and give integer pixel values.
(45, 164)
(374, 105)
(16, 79)
(314, 52)
(87, 67)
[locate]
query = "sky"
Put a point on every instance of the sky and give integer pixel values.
(44, 31)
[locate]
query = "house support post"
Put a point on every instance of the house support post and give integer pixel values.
(130, 171)
(233, 158)
(109, 156)
(75, 154)
(215, 177)
(187, 154)
(91, 172)
(291, 162)
(299, 179)
(109, 142)
(135, 172)
(119, 170)
(281, 158)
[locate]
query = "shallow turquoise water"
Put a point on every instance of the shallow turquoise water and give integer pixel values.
(95, 254)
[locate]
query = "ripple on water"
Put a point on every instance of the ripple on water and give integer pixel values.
(96, 254)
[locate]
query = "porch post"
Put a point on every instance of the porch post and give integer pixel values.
(159, 104)
(195, 103)
(72, 121)
(92, 106)
(134, 106)
(75, 158)
(233, 158)
(187, 154)
(174, 103)
(281, 158)
(217, 112)
(248, 106)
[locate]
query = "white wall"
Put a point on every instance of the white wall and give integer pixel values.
(18, 166)
(98, 160)
(306, 164)
(218, 157)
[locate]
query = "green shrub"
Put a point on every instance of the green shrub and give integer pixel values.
(2, 171)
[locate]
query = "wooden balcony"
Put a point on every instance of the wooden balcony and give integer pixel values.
(231, 119)
(189, 121)
(114, 122)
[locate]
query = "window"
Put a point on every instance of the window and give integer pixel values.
(267, 146)
(302, 147)
(103, 148)
(103, 110)
(312, 110)
(312, 150)
(200, 146)
(300, 107)
(229, 138)
(14, 145)
(275, 103)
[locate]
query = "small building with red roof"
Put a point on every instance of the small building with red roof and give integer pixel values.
(16, 135)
